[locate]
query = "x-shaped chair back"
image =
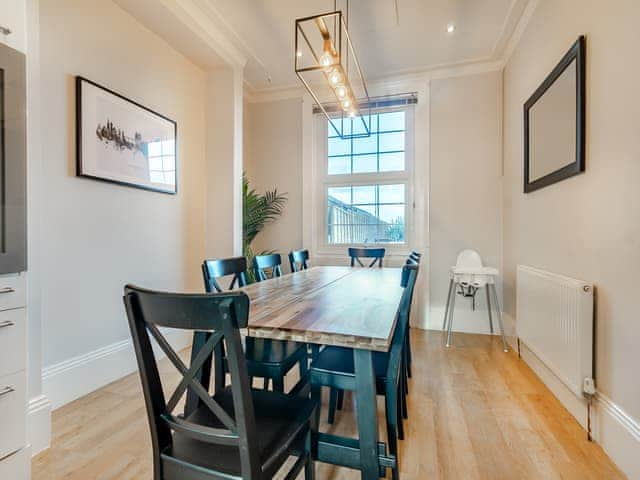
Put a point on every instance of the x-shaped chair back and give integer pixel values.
(298, 260)
(263, 262)
(220, 315)
(377, 254)
(214, 269)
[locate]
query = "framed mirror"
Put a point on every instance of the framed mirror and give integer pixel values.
(554, 123)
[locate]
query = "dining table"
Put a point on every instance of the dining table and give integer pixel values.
(350, 307)
(340, 306)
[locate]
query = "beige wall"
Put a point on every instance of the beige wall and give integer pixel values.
(273, 158)
(465, 203)
(586, 227)
(96, 236)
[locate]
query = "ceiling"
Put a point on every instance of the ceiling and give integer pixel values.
(388, 41)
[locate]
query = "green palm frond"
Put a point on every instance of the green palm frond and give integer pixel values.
(258, 210)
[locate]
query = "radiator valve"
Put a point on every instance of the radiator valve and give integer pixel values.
(589, 386)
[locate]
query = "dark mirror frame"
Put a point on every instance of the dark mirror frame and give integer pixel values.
(577, 53)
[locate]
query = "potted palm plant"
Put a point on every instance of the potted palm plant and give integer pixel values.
(258, 210)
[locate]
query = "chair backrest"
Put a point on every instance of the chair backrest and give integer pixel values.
(298, 260)
(262, 262)
(357, 253)
(469, 259)
(414, 257)
(408, 281)
(220, 315)
(214, 269)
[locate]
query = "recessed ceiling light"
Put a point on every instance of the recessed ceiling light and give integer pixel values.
(451, 28)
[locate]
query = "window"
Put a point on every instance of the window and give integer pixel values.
(367, 182)
(162, 162)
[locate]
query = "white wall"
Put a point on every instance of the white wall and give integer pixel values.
(465, 203)
(95, 236)
(459, 118)
(273, 159)
(588, 226)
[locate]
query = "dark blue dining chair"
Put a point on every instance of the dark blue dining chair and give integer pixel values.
(268, 359)
(235, 433)
(334, 368)
(356, 254)
(299, 260)
(267, 266)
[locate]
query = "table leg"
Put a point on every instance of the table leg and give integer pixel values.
(367, 413)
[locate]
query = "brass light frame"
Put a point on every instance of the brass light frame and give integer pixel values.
(336, 52)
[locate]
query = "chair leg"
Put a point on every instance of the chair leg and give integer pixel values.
(403, 400)
(399, 421)
(265, 385)
(309, 467)
(409, 355)
(451, 309)
(333, 400)
(489, 308)
(340, 403)
(392, 431)
(446, 309)
(278, 384)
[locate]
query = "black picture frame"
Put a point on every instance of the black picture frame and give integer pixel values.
(81, 169)
(578, 53)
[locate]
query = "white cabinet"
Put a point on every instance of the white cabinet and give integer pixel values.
(13, 19)
(14, 458)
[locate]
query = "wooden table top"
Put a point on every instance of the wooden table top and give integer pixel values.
(341, 306)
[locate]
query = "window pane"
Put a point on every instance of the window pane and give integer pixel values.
(342, 194)
(390, 142)
(155, 163)
(360, 124)
(363, 194)
(156, 177)
(365, 163)
(337, 146)
(168, 162)
(339, 123)
(393, 233)
(392, 193)
(339, 165)
(392, 162)
(154, 149)
(391, 121)
(392, 214)
(365, 144)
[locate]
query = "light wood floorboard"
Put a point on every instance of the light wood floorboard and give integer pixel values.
(474, 413)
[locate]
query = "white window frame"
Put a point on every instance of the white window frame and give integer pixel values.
(325, 181)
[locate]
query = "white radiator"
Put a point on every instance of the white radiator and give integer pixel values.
(555, 322)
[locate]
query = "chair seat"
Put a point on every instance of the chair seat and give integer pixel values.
(340, 360)
(279, 418)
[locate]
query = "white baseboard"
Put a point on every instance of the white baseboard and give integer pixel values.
(73, 378)
(39, 424)
(615, 430)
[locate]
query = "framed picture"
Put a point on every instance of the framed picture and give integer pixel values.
(123, 142)
(554, 123)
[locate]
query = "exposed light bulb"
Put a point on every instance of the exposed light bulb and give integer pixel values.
(451, 28)
(326, 59)
(352, 113)
(335, 77)
(341, 91)
(298, 53)
(346, 103)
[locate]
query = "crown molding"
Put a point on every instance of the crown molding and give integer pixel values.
(383, 84)
(519, 30)
(203, 22)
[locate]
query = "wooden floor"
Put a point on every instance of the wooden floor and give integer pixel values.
(474, 413)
